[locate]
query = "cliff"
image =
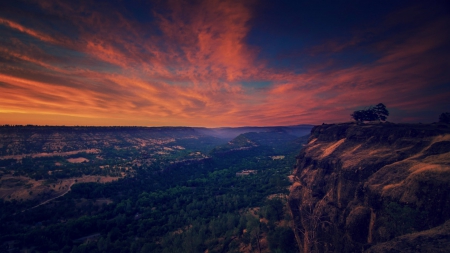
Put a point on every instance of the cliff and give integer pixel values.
(373, 188)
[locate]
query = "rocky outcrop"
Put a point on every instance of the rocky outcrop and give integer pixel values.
(373, 188)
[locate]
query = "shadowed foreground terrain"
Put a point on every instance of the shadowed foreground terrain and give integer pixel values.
(373, 188)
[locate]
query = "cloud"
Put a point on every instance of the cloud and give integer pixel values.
(190, 64)
(28, 31)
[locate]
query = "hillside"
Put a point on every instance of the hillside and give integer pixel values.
(230, 133)
(373, 188)
(18, 141)
(267, 142)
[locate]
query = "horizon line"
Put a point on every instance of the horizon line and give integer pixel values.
(136, 126)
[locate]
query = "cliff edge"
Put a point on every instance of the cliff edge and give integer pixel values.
(373, 188)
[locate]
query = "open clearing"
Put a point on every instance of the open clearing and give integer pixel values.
(18, 157)
(77, 160)
(25, 188)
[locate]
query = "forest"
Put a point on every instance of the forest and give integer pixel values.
(197, 205)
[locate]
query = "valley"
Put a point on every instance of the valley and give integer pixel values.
(338, 188)
(224, 126)
(147, 190)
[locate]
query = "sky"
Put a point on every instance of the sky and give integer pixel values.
(219, 63)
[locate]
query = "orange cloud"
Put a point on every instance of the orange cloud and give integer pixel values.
(188, 66)
(31, 32)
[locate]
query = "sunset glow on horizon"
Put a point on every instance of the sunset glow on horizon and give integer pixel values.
(221, 63)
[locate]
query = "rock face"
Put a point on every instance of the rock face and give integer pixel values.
(373, 188)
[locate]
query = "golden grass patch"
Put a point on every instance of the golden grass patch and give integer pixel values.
(331, 148)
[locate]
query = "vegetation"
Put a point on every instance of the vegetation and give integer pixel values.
(377, 112)
(177, 202)
(444, 117)
(400, 219)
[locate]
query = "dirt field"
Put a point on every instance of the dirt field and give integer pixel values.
(18, 157)
(24, 188)
(77, 160)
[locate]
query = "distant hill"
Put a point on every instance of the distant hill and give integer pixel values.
(272, 142)
(229, 133)
(23, 140)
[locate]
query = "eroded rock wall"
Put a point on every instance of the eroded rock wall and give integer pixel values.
(358, 186)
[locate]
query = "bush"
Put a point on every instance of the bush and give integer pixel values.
(282, 240)
(445, 117)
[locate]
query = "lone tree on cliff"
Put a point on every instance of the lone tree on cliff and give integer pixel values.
(378, 112)
(445, 117)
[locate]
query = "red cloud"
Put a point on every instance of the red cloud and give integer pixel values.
(31, 32)
(190, 71)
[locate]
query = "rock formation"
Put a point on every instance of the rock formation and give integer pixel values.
(373, 188)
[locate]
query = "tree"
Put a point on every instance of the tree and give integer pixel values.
(378, 112)
(381, 111)
(274, 210)
(364, 115)
(445, 117)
